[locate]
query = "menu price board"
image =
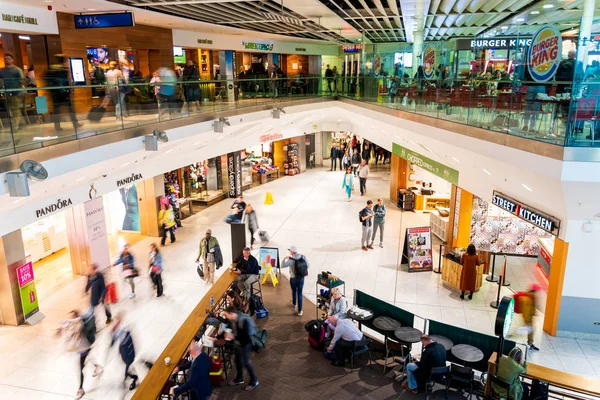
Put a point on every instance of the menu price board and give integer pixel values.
(26, 281)
(417, 249)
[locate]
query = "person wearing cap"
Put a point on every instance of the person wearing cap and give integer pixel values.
(296, 280)
(248, 272)
(207, 249)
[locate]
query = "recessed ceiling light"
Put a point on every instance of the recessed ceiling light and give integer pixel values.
(486, 171)
(168, 151)
(412, 142)
(91, 9)
(534, 12)
(548, 5)
(426, 148)
(80, 179)
(455, 159)
(126, 164)
(520, 20)
(526, 187)
(48, 1)
(504, 27)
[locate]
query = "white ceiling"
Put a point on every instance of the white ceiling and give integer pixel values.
(510, 169)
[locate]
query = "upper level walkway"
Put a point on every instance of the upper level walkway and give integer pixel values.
(44, 123)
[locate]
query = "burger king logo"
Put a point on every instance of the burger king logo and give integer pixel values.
(544, 53)
(429, 62)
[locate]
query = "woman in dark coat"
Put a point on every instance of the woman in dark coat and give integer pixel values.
(468, 279)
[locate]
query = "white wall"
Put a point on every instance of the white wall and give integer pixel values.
(582, 275)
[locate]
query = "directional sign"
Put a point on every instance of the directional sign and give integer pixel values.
(113, 20)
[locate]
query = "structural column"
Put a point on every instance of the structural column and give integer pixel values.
(12, 256)
(149, 193)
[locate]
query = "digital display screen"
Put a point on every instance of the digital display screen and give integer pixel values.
(98, 55)
(77, 71)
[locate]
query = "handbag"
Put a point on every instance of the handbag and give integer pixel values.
(199, 270)
(155, 269)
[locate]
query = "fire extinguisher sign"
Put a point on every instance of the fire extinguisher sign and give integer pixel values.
(29, 299)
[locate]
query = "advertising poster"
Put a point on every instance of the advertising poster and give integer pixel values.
(97, 234)
(429, 62)
(417, 249)
(268, 256)
(26, 281)
(545, 52)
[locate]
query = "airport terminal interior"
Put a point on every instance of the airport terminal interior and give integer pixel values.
(261, 199)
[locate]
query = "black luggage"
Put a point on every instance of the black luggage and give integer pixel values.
(96, 113)
(264, 236)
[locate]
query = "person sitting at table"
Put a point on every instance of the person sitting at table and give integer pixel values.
(509, 370)
(248, 272)
(418, 373)
(198, 384)
(342, 343)
(337, 307)
(468, 278)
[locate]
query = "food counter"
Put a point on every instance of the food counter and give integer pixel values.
(452, 270)
(544, 259)
(428, 203)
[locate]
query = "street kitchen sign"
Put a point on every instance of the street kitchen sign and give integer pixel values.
(527, 213)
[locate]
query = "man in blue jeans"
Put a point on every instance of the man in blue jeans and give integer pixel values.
(243, 329)
(434, 355)
(298, 265)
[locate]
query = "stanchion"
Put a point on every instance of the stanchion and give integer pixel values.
(504, 282)
(439, 271)
(491, 277)
(494, 304)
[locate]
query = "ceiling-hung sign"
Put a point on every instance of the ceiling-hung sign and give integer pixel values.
(112, 20)
(429, 62)
(352, 48)
(544, 54)
(533, 216)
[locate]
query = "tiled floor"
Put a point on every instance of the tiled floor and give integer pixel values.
(311, 212)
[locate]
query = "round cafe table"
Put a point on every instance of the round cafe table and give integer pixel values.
(443, 340)
(359, 318)
(408, 334)
(467, 353)
(386, 324)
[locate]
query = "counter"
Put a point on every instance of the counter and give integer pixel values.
(428, 203)
(452, 271)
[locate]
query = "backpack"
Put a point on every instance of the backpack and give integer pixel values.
(301, 267)
(259, 340)
(316, 333)
(360, 216)
(539, 390)
(89, 328)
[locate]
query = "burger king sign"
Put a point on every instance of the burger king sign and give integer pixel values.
(428, 62)
(544, 53)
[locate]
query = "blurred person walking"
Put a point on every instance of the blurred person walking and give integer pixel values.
(334, 155)
(348, 182)
(191, 77)
(122, 335)
(298, 265)
(528, 309)
(243, 330)
(156, 268)
(129, 270)
(12, 78)
(58, 76)
(166, 219)
(95, 284)
(207, 252)
(356, 160)
(250, 215)
(167, 88)
(79, 333)
(115, 80)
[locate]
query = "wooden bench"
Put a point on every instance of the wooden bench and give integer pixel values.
(152, 385)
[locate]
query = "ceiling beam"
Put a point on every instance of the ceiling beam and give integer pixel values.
(180, 2)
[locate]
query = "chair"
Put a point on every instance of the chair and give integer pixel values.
(461, 378)
(438, 375)
(500, 383)
(360, 347)
(395, 348)
(254, 291)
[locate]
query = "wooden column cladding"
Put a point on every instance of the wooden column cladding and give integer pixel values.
(398, 176)
(158, 42)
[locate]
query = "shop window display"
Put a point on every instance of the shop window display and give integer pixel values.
(291, 165)
(45, 237)
(172, 191)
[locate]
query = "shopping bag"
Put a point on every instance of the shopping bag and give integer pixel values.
(111, 296)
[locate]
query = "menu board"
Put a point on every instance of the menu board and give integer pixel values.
(417, 249)
(268, 256)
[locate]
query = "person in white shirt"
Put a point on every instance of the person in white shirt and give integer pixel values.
(363, 174)
(114, 78)
(345, 333)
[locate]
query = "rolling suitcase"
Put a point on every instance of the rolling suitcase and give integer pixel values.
(96, 113)
(111, 296)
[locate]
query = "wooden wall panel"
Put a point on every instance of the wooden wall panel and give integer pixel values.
(299, 59)
(398, 176)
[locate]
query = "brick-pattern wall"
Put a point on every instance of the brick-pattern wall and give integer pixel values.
(299, 59)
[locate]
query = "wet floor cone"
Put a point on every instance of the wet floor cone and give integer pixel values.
(269, 199)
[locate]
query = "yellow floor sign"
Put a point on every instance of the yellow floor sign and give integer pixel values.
(269, 199)
(273, 276)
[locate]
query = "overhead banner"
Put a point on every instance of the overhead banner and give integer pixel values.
(544, 54)
(429, 62)
(429, 165)
(26, 281)
(417, 249)
(97, 235)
